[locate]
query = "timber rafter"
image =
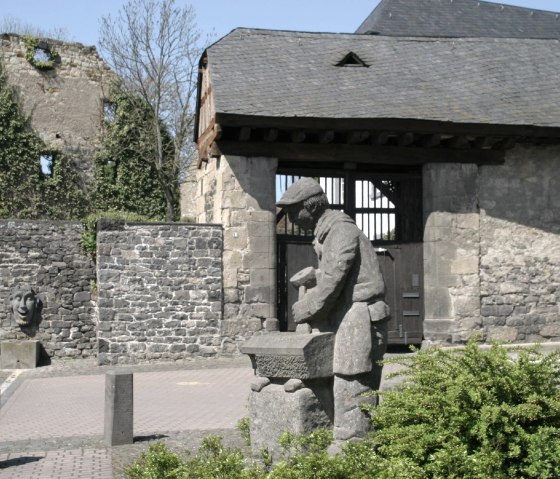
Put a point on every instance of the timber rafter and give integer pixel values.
(386, 142)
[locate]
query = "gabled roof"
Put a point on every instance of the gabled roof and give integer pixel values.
(295, 74)
(460, 18)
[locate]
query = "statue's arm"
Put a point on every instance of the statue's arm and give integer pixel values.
(339, 252)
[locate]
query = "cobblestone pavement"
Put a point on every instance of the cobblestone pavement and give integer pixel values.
(51, 420)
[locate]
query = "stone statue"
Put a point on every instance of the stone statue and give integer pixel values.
(347, 299)
(26, 306)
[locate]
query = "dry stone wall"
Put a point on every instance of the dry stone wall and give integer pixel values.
(46, 256)
(160, 292)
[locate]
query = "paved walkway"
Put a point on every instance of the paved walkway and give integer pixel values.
(51, 425)
(51, 418)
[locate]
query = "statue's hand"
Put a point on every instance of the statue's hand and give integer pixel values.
(299, 312)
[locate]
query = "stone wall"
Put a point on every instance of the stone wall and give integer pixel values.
(46, 256)
(65, 103)
(239, 193)
(492, 249)
(160, 292)
(520, 246)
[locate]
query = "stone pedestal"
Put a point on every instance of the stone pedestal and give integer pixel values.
(293, 390)
(19, 354)
(274, 410)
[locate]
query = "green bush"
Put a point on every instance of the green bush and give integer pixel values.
(472, 413)
(466, 413)
(158, 462)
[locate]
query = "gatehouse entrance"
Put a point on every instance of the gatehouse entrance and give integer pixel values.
(387, 206)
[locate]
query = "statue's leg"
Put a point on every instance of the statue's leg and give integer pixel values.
(349, 419)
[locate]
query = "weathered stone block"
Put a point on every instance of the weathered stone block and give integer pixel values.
(19, 354)
(273, 411)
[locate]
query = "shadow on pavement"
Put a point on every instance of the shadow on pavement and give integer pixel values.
(151, 437)
(19, 461)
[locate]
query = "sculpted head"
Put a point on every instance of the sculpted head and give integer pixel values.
(304, 202)
(25, 304)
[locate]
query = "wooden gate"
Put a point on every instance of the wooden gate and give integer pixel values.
(388, 209)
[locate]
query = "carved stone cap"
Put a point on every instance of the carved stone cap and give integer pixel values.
(291, 355)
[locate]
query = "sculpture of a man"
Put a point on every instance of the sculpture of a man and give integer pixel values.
(347, 300)
(25, 306)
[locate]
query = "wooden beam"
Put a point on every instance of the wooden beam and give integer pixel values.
(484, 142)
(387, 155)
(298, 136)
(245, 133)
(388, 124)
(429, 141)
(505, 144)
(218, 131)
(380, 138)
(271, 134)
(458, 142)
(326, 136)
(405, 139)
(355, 137)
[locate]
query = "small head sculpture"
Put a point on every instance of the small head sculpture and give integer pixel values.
(25, 305)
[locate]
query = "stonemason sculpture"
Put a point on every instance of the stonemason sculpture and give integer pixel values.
(347, 299)
(26, 306)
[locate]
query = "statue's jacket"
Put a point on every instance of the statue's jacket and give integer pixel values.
(349, 284)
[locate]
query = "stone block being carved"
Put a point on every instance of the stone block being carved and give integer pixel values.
(291, 355)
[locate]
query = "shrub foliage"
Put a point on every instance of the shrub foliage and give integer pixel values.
(468, 413)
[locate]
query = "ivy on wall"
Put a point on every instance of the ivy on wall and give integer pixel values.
(25, 191)
(125, 176)
(31, 54)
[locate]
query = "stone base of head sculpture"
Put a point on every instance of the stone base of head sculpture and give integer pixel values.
(344, 299)
(26, 309)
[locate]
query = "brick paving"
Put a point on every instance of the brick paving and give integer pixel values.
(51, 424)
(73, 464)
(51, 419)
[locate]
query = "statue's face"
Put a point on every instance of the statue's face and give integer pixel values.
(23, 306)
(300, 216)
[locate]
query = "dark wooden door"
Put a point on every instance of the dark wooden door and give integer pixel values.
(388, 209)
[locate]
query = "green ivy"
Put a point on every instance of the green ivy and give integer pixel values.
(88, 241)
(31, 46)
(125, 176)
(25, 192)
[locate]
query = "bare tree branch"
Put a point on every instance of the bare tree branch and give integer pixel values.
(154, 46)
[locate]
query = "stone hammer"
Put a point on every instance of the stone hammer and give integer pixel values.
(304, 280)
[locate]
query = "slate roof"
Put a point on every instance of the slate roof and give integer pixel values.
(294, 74)
(460, 18)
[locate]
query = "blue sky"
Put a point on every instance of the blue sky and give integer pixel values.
(81, 17)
